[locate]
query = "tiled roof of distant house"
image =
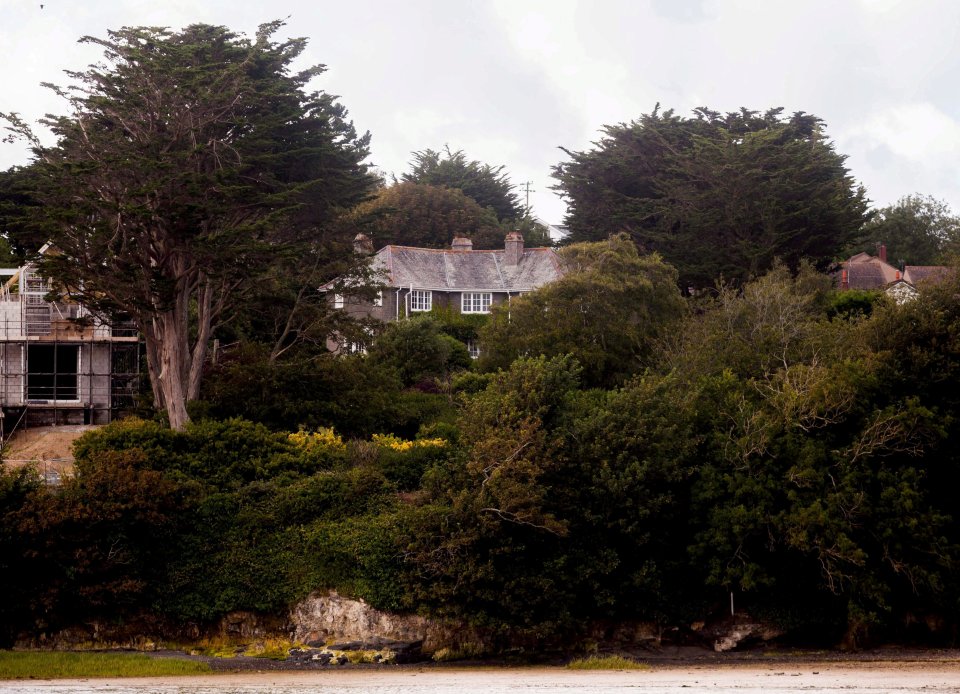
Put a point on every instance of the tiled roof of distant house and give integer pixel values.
(466, 269)
(926, 273)
(863, 271)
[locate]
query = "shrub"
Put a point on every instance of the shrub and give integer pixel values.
(350, 394)
(223, 454)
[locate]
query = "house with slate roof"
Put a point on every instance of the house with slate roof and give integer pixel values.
(459, 278)
(864, 271)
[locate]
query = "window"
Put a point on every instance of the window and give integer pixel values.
(378, 299)
(354, 348)
(421, 299)
(476, 302)
(473, 347)
(338, 300)
(52, 372)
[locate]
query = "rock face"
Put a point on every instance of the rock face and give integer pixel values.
(736, 632)
(324, 617)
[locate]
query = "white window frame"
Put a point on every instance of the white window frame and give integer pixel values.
(476, 302)
(338, 300)
(378, 299)
(354, 348)
(421, 300)
(473, 348)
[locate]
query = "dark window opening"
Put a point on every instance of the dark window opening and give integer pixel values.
(52, 372)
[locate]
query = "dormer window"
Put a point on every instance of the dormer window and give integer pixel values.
(421, 300)
(476, 302)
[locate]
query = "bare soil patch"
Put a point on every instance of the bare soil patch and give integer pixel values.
(50, 448)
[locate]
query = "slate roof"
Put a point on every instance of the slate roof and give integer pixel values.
(463, 270)
(864, 271)
(926, 273)
(866, 276)
(867, 272)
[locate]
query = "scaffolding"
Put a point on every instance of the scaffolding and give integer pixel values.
(59, 364)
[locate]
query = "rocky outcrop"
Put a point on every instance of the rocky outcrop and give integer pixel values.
(325, 617)
(329, 619)
(736, 632)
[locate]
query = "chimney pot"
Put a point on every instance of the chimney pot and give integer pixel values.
(362, 245)
(461, 243)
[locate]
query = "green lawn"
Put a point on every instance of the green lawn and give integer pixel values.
(52, 665)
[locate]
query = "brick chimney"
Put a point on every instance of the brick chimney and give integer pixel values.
(461, 243)
(844, 281)
(362, 245)
(883, 252)
(513, 245)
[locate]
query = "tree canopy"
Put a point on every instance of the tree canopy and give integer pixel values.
(488, 185)
(606, 310)
(425, 216)
(917, 230)
(716, 195)
(190, 159)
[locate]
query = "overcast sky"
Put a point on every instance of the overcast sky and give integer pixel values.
(510, 81)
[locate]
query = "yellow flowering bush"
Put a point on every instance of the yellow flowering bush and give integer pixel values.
(404, 462)
(398, 444)
(322, 438)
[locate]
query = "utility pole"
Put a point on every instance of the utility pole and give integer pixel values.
(525, 187)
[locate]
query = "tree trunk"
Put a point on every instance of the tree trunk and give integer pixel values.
(205, 311)
(166, 338)
(153, 368)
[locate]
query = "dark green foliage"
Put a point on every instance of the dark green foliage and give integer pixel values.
(418, 349)
(253, 546)
(488, 185)
(101, 544)
(565, 500)
(356, 396)
(917, 230)
(718, 196)
(853, 303)
(463, 326)
(21, 567)
(209, 160)
(608, 310)
(424, 216)
(773, 448)
(225, 454)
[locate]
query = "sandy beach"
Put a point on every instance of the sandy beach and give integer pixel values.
(875, 678)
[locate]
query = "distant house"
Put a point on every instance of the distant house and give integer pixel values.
(459, 278)
(867, 272)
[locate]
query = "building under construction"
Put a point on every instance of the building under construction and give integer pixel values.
(60, 364)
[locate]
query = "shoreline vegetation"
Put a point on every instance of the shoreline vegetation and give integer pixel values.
(19, 665)
(106, 665)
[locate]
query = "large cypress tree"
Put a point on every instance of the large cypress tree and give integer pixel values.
(188, 161)
(716, 195)
(488, 185)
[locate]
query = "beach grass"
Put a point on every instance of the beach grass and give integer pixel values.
(56, 665)
(606, 662)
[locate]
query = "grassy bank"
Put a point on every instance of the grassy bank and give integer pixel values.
(52, 665)
(610, 662)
